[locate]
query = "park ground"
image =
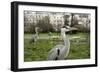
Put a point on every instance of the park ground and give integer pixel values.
(38, 51)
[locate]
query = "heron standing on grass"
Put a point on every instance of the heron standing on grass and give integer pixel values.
(61, 51)
(36, 35)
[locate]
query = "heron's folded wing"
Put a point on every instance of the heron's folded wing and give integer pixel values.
(52, 54)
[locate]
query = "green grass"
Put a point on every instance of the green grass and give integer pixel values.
(79, 51)
(38, 51)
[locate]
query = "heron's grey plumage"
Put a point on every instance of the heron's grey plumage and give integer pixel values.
(63, 50)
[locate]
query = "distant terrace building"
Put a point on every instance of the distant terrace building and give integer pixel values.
(28, 19)
(83, 19)
(56, 19)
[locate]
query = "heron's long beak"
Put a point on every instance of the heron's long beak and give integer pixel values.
(72, 28)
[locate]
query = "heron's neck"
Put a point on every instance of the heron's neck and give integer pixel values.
(67, 44)
(66, 40)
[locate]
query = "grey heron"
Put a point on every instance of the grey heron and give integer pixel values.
(61, 51)
(36, 35)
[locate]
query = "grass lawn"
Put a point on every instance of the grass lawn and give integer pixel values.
(38, 51)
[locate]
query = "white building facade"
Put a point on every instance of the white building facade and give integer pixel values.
(56, 18)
